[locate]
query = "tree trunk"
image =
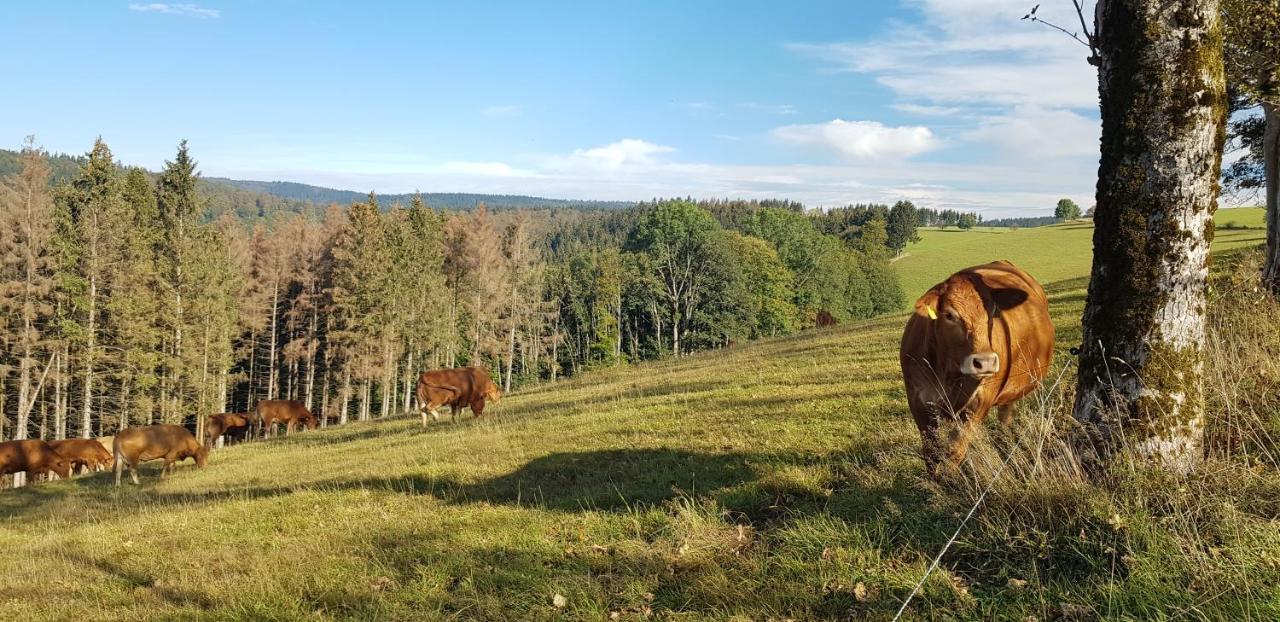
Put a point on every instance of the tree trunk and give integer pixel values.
(675, 327)
(272, 384)
(86, 409)
(1271, 157)
(124, 407)
(511, 346)
(204, 386)
(252, 397)
(59, 400)
(346, 395)
(408, 380)
(1163, 121)
(311, 359)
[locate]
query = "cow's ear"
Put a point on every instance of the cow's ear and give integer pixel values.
(1006, 298)
(927, 305)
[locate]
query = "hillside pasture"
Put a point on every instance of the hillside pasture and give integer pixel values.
(777, 479)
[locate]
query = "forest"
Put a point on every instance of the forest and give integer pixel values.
(133, 298)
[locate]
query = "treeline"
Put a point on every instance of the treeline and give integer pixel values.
(1030, 221)
(126, 303)
(673, 276)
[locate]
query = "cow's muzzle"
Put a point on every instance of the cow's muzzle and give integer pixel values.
(980, 365)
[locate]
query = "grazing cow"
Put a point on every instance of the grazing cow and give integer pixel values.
(980, 339)
(234, 426)
(825, 319)
(83, 453)
(171, 443)
(457, 388)
(269, 413)
(33, 456)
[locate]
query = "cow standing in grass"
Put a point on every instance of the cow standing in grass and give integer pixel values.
(170, 443)
(34, 457)
(86, 453)
(234, 426)
(980, 339)
(457, 389)
(269, 413)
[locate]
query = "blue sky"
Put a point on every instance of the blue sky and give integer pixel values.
(950, 103)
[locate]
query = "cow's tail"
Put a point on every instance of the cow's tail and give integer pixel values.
(118, 457)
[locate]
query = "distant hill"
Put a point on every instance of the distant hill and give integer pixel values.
(253, 200)
(448, 200)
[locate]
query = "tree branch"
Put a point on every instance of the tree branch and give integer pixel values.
(1088, 41)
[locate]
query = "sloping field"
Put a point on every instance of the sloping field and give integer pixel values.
(1051, 253)
(775, 480)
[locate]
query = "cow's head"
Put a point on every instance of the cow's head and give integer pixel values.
(492, 392)
(310, 421)
(963, 310)
(60, 465)
(202, 456)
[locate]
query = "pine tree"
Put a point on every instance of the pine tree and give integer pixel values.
(178, 201)
(26, 211)
(95, 211)
(134, 307)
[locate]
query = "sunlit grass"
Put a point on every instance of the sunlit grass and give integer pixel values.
(1051, 253)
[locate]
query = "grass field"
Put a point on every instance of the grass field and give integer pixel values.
(775, 480)
(1052, 253)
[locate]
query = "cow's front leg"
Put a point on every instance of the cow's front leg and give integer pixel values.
(1005, 413)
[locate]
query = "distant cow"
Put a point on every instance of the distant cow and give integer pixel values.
(83, 453)
(234, 426)
(980, 339)
(825, 319)
(456, 388)
(170, 443)
(33, 456)
(269, 413)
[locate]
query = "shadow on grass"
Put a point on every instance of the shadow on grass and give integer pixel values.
(132, 579)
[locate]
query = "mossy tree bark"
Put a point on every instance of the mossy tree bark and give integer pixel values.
(1271, 157)
(1163, 105)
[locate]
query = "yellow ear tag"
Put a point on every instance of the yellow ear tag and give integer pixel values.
(932, 315)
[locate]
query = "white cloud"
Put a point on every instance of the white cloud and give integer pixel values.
(928, 111)
(624, 152)
(1043, 132)
(189, 10)
(861, 139)
(482, 169)
(780, 109)
(509, 110)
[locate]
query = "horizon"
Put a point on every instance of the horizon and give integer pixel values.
(949, 104)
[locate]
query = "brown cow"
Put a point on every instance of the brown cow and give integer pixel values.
(235, 426)
(980, 339)
(269, 413)
(33, 456)
(83, 452)
(457, 388)
(171, 443)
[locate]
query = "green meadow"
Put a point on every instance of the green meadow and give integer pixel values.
(774, 480)
(1052, 253)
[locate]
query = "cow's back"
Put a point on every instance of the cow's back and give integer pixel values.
(152, 441)
(457, 384)
(282, 409)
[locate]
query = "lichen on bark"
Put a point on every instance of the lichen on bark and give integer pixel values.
(1163, 104)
